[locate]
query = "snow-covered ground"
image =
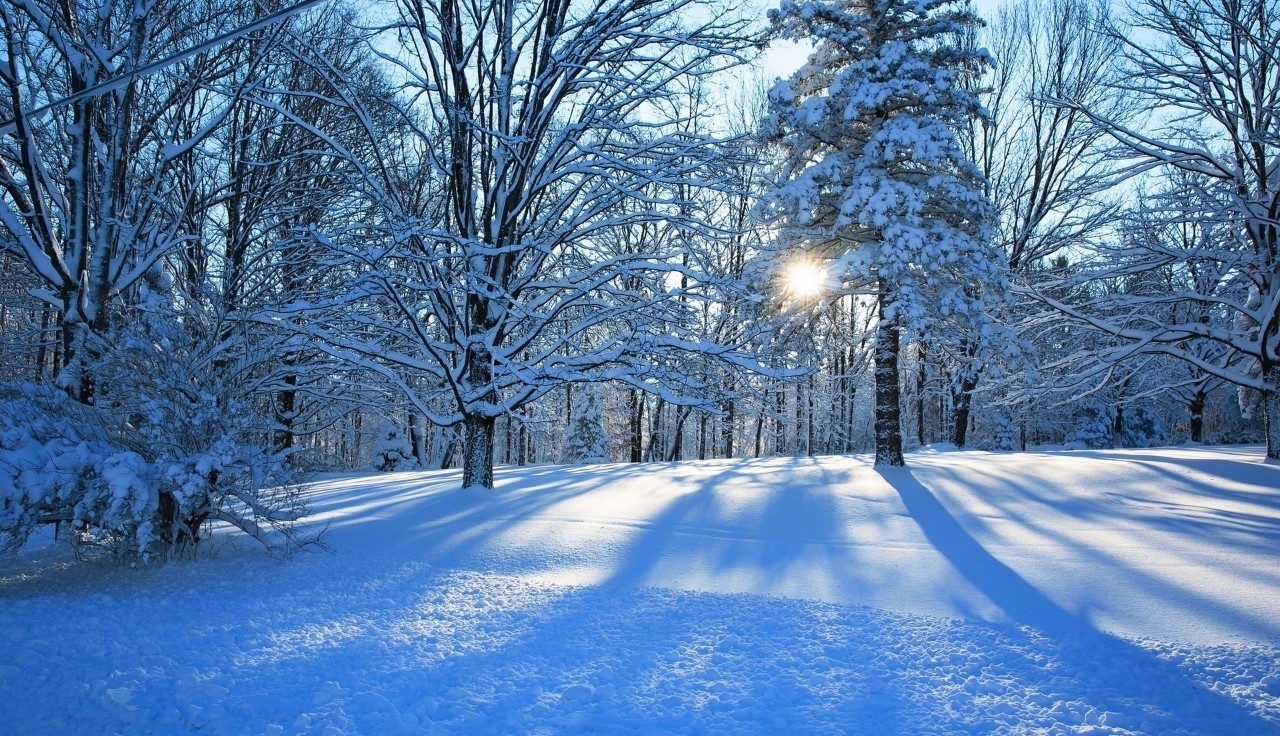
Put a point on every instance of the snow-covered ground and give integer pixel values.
(1133, 591)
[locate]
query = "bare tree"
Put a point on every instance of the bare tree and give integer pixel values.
(1046, 166)
(90, 199)
(1208, 74)
(544, 129)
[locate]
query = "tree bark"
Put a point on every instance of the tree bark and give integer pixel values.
(1196, 408)
(810, 448)
(478, 425)
(637, 426)
(961, 401)
(920, 383)
(477, 462)
(888, 394)
(1117, 427)
(287, 412)
(677, 445)
(727, 427)
(1271, 410)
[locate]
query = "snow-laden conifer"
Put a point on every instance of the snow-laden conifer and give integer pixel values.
(875, 179)
(586, 442)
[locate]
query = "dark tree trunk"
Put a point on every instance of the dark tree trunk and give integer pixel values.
(677, 445)
(702, 435)
(779, 424)
(655, 430)
(1117, 427)
(522, 442)
(477, 450)
(1196, 407)
(759, 432)
(727, 427)
(888, 394)
(920, 382)
(1271, 410)
(450, 449)
(961, 400)
(478, 429)
(637, 426)
(286, 413)
(810, 439)
(43, 349)
(415, 441)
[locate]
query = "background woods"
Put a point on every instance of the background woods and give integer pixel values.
(467, 234)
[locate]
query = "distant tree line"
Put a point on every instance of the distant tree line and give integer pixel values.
(452, 233)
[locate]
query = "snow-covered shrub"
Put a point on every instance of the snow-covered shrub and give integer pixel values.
(171, 443)
(1093, 427)
(1006, 430)
(586, 441)
(185, 399)
(1143, 428)
(58, 463)
(393, 453)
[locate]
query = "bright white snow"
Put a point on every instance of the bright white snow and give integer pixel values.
(1128, 591)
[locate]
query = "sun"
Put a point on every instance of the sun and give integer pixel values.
(804, 279)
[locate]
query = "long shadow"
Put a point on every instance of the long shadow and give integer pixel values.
(1096, 652)
(1019, 600)
(995, 485)
(790, 522)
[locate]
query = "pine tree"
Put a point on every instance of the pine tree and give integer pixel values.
(586, 442)
(874, 175)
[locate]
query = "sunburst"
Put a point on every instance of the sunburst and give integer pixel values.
(805, 279)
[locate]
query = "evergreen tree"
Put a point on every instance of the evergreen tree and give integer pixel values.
(586, 442)
(874, 176)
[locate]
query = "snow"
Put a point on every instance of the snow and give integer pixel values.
(1098, 592)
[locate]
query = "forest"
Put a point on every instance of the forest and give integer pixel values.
(244, 243)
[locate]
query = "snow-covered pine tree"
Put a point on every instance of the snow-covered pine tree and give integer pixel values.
(874, 175)
(586, 442)
(393, 453)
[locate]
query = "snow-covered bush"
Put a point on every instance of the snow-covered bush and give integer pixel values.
(1143, 428)
(1006, 430)
(393, 453)
(586, 441)
(1093, 427)
(171, 443)
(58, 463)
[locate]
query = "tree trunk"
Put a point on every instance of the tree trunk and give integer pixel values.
(477, 449)
(1271, 410)
(961, 400)
(1196, 407)
(759, 431)
(1117, 427)
(478, 429)
(677, 446)
(920, 382)
(287, 412)
(810, 439)
(727, 427)
(415, 439)
(779, 423)
(43, 348)
(702, 435)
(522, 442)
(637, 426)
(888, 407)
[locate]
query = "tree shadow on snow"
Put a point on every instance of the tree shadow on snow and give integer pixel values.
(1151, 685)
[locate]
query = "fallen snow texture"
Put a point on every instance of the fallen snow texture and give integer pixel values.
(1105, 592)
